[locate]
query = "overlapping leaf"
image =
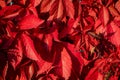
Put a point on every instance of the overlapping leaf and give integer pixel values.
(29, 22)
(29, 50)
(59, 39)
(15, 53)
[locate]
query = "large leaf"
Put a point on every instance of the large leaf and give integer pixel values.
(62, 62)
(29, 22)
(29, 49)
(45, 62)
(9, 10)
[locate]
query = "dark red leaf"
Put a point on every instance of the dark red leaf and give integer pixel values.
(15, 53)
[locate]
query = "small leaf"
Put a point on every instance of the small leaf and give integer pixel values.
(48, 41)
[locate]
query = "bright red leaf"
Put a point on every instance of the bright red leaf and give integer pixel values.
(29, 50)
(29, 22)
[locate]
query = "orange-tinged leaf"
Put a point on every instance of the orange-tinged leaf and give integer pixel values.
(45, 5)
(66, 64)
(62, 8)
(30, 71)
(48, 40)
(100, 76)
(37, 2)
(30, 51)
(69, 8)
(29, 22)
(2, 3)
(117, 5)
(113, 11)
(57, 9)
(104, 15)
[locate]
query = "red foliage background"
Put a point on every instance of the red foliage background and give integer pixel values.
(59, 39)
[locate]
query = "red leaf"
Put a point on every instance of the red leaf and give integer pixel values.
(29, 71)
(2, 4)
(67, 28)
(30, 51)
(56, 9)
(37, 2)
(62, 8)
(33, 10)
(113, 11)
(44, 66)
(45, 5)
(48, 40)
(69, 8)
(113, 28)
(66, 64)
(15, 53)
(117, 5)
(9, 10)
(46, 56)
(22, 75)
(114, 78)
(29, 22)
(104, 15)
(93, 73)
